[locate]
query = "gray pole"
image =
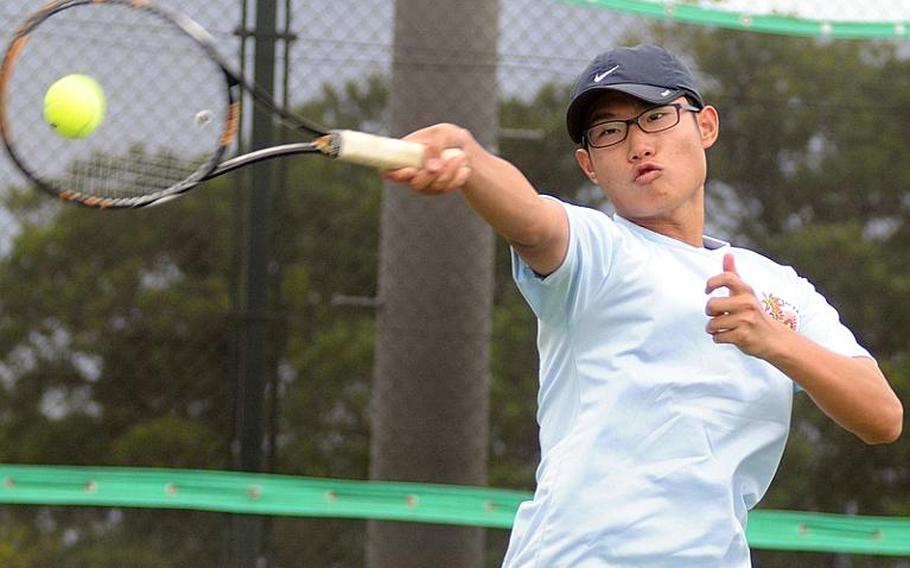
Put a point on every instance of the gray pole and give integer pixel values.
(247, 530)
(431, 386)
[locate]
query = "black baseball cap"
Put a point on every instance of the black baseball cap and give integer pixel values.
(647, 72)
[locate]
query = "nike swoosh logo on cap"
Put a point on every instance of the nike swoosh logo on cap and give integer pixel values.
(600, 76)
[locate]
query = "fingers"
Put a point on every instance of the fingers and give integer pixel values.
(437, 175)
(729, 321)
(719, 306)
(402, 175)
(443, 170)
(733, 316)
(730, 263)
(729, 336)
(729, 279)
(736, 327)
(448, 173)
(730, 313)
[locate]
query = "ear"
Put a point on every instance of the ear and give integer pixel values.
(585, 163)
(708, 126)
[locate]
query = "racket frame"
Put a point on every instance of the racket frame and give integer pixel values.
(214, 166)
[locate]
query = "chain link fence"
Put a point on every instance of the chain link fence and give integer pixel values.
(120, 332)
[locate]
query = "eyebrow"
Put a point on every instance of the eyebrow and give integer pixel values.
(599, 115)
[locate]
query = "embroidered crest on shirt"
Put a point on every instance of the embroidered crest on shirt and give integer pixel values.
(781, 310)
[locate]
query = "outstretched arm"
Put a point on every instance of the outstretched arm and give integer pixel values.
(536, 227)
(850, 390)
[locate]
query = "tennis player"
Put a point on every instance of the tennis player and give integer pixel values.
(668, 359)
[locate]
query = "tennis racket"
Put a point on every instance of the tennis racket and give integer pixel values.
(149, 61)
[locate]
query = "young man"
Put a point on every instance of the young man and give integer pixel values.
(668, 359)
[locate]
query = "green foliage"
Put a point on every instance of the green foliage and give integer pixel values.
(326, 239)
(514, 451)
(547, 156)
(168, 441)
(21, 546)
(103, 555)
(326, 234)
(117, 342)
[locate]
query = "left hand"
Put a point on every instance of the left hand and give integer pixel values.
(739, 318)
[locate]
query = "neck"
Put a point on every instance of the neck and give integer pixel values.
(689, 235)
(686, 223)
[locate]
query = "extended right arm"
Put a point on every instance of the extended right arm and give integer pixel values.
(536, 227)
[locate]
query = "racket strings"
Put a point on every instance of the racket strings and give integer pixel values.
(117, 176)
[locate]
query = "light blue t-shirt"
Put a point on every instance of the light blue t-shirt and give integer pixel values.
(655, 441)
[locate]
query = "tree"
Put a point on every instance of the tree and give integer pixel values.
(116, 346)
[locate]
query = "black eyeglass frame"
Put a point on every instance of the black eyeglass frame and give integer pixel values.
(628, 122)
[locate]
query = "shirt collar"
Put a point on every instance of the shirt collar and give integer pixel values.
(709, 243)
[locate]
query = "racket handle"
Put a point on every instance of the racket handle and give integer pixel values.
(377, 151)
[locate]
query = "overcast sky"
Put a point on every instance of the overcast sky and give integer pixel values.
(851, 10)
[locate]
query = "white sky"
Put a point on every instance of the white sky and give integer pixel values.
(834, 10)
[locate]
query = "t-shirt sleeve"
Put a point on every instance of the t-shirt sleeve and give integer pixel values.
(821, 323)
(583, 273)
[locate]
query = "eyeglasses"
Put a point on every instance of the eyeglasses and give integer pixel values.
(657, 119)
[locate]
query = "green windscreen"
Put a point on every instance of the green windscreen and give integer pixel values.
(266, 494)
(796, 21)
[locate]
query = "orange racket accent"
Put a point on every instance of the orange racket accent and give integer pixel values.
(230, 127)
(6, 70)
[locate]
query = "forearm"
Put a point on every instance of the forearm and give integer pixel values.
(504, 197)
(495, 189)
(851, 391)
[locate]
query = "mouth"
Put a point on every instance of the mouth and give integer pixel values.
(646, 173)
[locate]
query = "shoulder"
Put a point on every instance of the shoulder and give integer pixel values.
(589, 228)
(588, 221)
(579, 211)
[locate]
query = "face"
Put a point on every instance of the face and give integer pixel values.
(656, 177)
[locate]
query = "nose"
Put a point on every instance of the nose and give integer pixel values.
(640, 144)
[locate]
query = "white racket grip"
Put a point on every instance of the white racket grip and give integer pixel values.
(378, 151)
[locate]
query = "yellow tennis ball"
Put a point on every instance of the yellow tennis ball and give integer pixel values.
(74, 106)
